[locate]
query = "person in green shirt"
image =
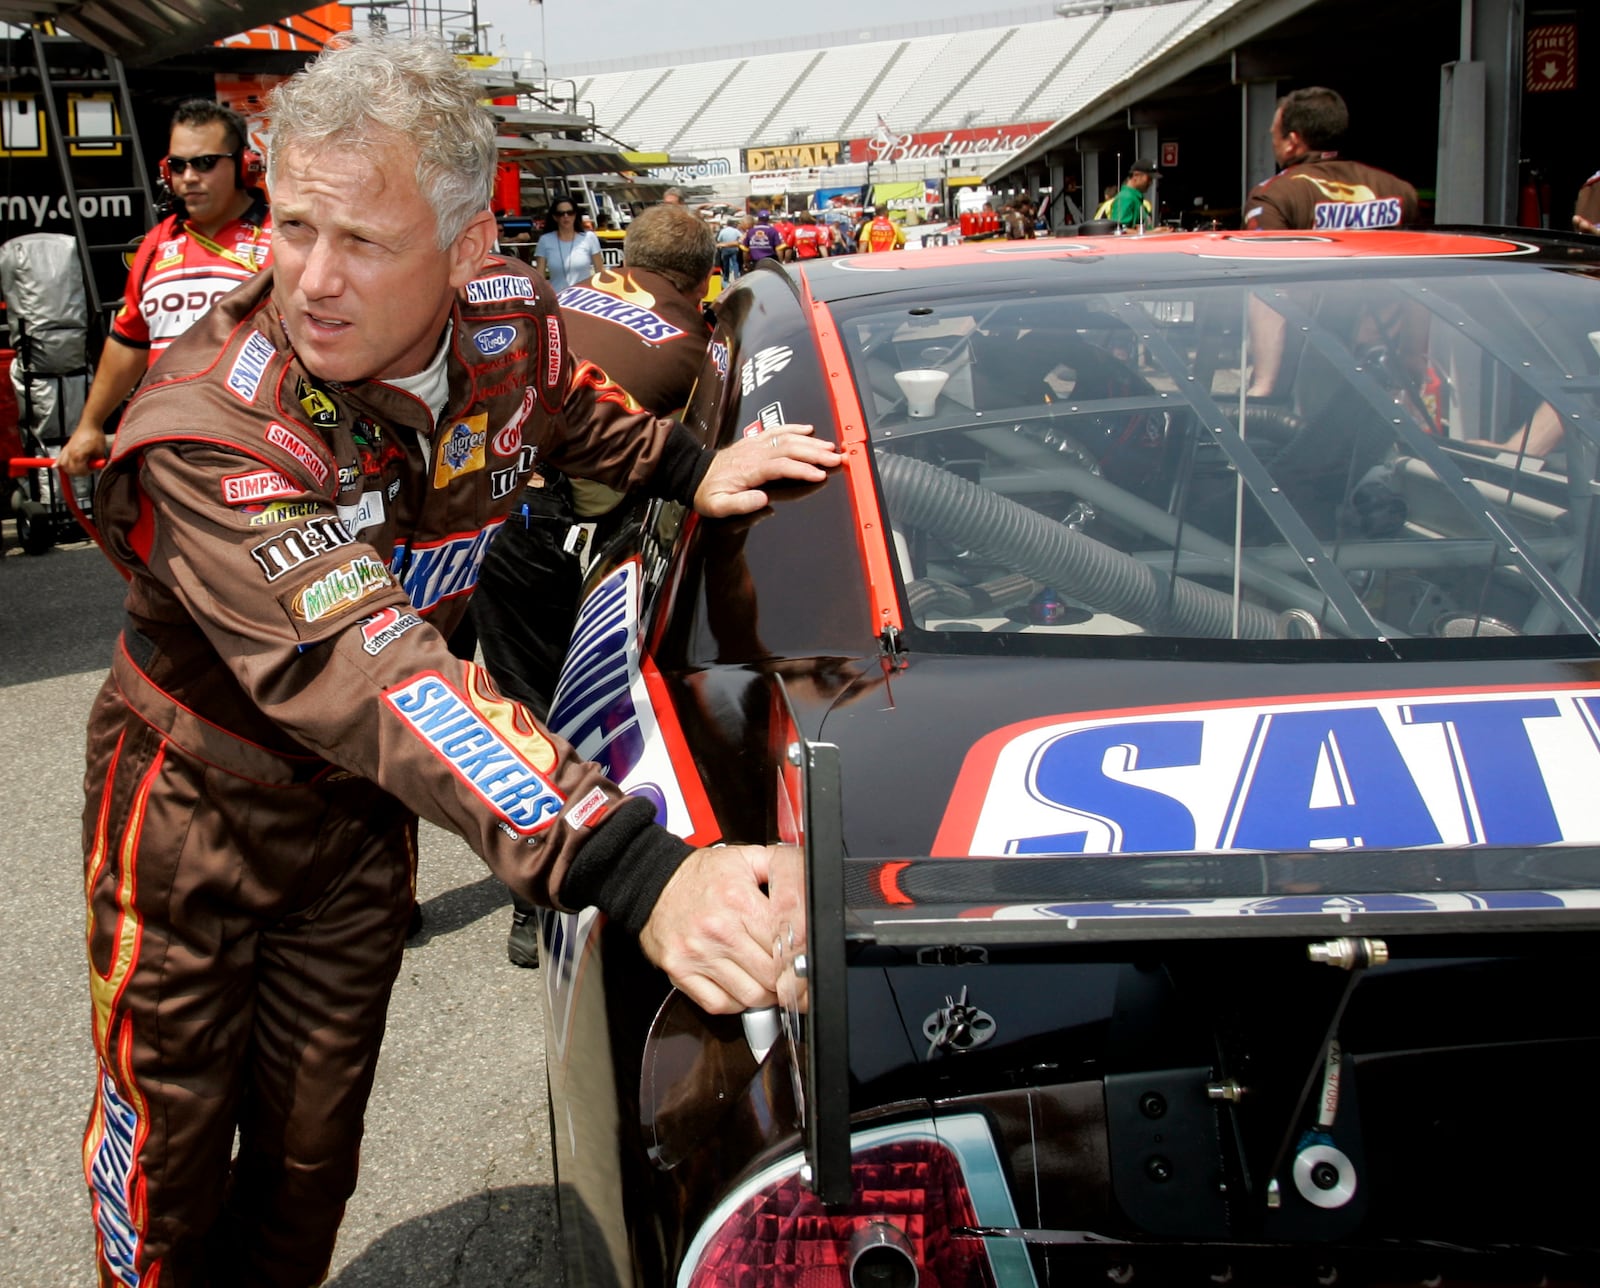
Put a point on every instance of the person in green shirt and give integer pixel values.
(1129, 207)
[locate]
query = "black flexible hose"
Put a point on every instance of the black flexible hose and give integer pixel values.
(997, 528)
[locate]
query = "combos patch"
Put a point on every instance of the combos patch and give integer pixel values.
(492, 768)
(297, 447)
(494, 340)
(384, 627)
(258, 485)
(497, 290)
(334, 591)
(285, 551)
(462, 450)
(250, 366)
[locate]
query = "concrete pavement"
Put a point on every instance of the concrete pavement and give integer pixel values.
(456, 1184)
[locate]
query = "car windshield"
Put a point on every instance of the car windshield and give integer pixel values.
(1377, 457)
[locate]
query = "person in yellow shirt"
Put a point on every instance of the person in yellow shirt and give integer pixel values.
(882, 234)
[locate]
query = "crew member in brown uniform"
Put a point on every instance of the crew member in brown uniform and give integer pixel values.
(644, 326)
(1314, 188)
(301, 494)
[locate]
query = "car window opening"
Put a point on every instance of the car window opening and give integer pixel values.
(1385, 459)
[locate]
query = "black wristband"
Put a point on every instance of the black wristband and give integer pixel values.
(625, 865)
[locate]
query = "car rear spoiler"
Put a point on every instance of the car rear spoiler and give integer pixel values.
(832, 910)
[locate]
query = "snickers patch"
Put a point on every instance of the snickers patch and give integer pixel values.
(490, 766)
(249, 366)
(649, 327)
(496, 290)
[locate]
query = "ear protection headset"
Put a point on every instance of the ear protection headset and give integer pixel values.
(249, 166)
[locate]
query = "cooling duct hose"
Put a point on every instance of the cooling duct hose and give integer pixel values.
(996, 528)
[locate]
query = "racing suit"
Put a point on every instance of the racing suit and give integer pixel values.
(1325, 193)
(882, 234)
(179, 273)
(280, 707)
(639, 328)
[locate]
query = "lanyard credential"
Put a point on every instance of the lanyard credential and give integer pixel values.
(230, 256)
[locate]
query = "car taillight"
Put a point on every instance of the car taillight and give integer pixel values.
(908, 1198)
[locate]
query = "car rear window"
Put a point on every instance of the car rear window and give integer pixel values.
(1408, 454)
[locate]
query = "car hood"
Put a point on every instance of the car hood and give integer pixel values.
(1015, 757)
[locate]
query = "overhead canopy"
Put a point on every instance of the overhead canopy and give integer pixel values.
(560, 157)
(147, 31)
(1230, 24)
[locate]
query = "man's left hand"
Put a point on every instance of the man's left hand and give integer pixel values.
(733, 484)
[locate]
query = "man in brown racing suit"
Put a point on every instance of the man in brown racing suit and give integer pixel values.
(301, 494)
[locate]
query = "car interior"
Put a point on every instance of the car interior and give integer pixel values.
(1381, 457)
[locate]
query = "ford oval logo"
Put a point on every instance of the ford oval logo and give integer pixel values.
(494, 339)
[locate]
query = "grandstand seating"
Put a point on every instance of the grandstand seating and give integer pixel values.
(1020, 72)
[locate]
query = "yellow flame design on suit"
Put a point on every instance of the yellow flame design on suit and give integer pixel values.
(624, 288)
(509, 720)
(1334, 191)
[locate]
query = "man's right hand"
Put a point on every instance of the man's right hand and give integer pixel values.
(711, 930)
(87, 445)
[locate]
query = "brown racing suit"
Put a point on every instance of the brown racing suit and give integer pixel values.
(281, 705)
(637, 327)
(1324, 193)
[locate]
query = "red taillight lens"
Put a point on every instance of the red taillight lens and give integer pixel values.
(784, 1238)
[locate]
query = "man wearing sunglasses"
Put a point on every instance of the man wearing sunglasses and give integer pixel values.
(218, 235)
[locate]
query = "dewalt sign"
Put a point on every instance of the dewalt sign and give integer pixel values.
(793, 156)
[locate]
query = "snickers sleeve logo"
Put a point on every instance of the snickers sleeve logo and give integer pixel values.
(491, 768)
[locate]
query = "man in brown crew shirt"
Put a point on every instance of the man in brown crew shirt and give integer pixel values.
(1314, 187)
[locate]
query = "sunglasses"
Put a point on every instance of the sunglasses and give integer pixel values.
(204, 164)
(563, 214)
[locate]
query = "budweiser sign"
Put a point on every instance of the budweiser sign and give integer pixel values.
(884, 145)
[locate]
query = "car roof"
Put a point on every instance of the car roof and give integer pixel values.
(1092, 260)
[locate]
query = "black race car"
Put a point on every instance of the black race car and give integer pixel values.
(1181, 716)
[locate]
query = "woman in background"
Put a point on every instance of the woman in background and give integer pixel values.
(565, 254)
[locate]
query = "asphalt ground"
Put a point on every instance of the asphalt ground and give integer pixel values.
(456, 1179)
